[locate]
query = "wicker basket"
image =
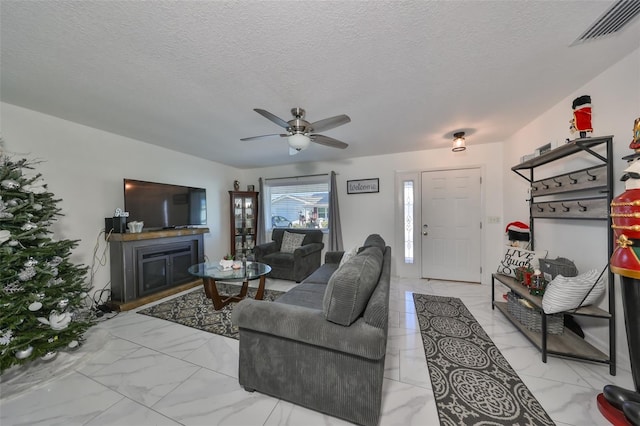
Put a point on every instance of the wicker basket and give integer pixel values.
(558, 266)
(531, 317)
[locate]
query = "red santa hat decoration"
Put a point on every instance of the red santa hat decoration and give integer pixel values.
(518, 231)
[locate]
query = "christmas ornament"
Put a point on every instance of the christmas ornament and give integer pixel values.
(73, 344)
(28, 226)
(35, 306)
(6, 338)
(10, 184)
(13, 288)
(63, 303)
(25, 353)
(37, 207)
(49, 356)
(30, 262)
(27, 273)
(13, 243)
(56, 321)
(55, 261)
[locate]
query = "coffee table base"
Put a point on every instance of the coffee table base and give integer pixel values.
(220, 301)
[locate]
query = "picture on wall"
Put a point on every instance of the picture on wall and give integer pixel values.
(363, 186)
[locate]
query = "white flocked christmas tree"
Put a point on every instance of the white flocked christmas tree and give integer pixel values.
(42, 293)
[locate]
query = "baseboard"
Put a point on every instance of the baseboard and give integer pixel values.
(127, 306)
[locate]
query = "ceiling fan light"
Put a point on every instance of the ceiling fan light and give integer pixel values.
(299, 141)
(458, 142)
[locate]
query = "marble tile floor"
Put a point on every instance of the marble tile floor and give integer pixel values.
(147, 371)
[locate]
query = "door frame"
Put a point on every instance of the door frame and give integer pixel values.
(414, 270)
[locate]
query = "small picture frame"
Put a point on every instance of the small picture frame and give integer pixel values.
(363, 186)
(544, 149)
(251, 188)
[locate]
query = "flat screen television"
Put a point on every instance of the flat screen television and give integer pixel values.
(162, 206)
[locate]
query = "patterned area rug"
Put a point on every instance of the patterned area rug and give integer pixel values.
(472, 382)
(195, 310)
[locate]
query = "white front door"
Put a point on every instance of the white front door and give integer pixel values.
(451, 225)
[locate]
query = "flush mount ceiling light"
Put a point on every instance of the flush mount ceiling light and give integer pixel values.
(458, 142)
(299, 141)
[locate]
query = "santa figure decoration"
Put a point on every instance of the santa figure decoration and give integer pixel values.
(581, 116)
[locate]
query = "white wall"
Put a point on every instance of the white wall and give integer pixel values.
(85, 167)
(363, 214)
(615, 96)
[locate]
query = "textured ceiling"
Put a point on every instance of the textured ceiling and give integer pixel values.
(187, 75)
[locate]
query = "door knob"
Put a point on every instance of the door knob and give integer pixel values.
(424, 229)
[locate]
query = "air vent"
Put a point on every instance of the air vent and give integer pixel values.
(613, 20)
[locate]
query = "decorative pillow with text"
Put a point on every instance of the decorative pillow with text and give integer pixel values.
(514, 257)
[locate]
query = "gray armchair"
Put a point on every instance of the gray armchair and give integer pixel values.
(294, 266)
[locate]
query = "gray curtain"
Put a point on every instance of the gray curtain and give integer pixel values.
(335, 227)
(261, 237)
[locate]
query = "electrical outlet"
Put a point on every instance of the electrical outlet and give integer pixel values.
(493, 219)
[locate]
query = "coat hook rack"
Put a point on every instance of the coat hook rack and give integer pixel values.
(591, 177)
(582, 208)
(565, 208)
(551, 208)
(540, 209)
(572, 180)
(544, 185)
(557, 182)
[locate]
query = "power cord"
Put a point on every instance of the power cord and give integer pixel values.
(100, 306)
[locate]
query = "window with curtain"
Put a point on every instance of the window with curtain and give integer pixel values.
(298, 202)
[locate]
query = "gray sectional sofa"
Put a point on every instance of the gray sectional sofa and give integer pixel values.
(322, 344)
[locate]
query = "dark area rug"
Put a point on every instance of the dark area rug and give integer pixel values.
(472, 382)
(195, 310)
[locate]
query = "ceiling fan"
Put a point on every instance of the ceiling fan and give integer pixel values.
(300, 132)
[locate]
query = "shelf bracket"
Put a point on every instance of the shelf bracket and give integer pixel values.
(592, 152)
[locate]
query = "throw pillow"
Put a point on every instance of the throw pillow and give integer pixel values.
(350, 287)
(514, 257)
(291, 241)
(348, 255)
(566, 293)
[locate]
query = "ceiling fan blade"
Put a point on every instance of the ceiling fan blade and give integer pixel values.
(263, 136)
(330, 123)
(266, 114)
(327, 141)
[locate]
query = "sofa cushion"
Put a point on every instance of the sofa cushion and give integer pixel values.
(348, 255)
(322, 275)
(373, 240)
(350, 287)
(291, 241)
(306, 294)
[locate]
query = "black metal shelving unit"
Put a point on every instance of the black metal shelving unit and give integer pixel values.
(590, 192)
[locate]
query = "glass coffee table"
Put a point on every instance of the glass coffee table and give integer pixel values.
(211, 272)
